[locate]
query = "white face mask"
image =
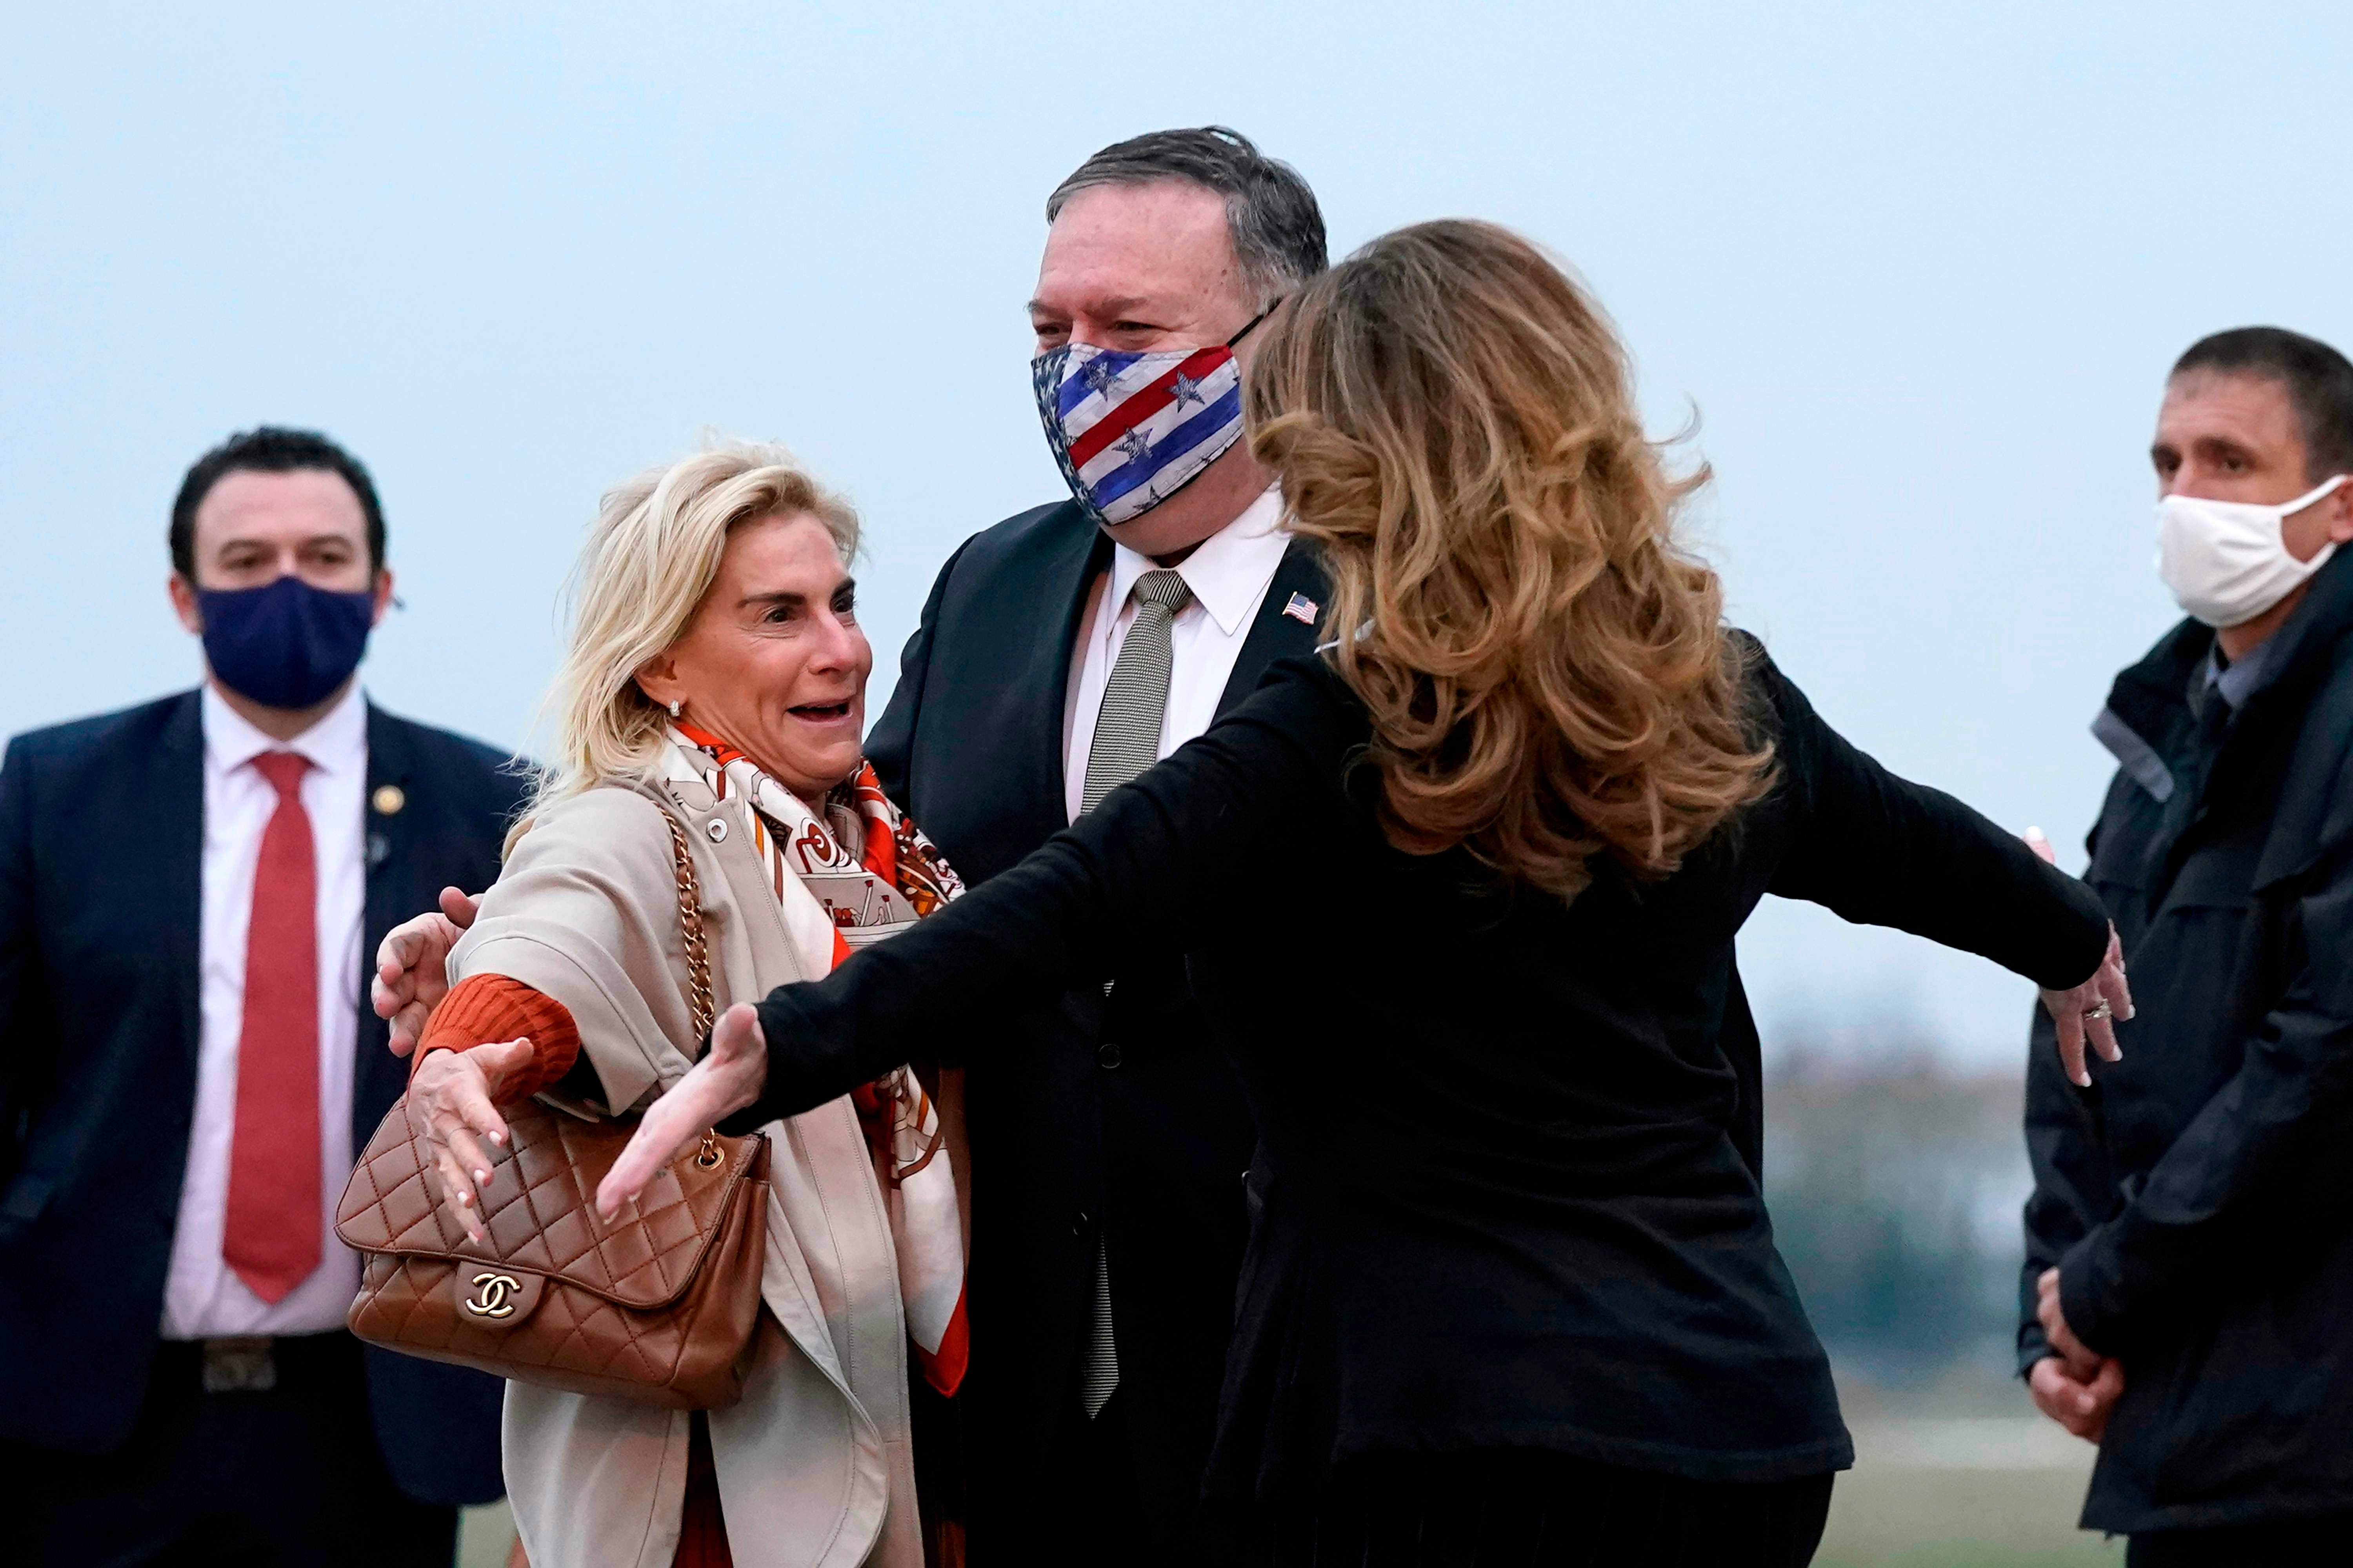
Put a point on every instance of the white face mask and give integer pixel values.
(2225, 559)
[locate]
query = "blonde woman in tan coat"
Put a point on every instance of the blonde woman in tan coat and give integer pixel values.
(715, 678)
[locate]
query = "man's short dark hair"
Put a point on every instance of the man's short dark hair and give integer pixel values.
(2317, 379)
(1271, 215)
(270, 449)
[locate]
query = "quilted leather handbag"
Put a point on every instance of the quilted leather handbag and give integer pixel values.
(657, 1307)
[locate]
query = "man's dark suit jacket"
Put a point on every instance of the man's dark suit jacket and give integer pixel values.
(101, 837)
(1122, 1120)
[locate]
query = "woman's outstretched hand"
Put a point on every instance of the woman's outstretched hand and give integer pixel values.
(453, 1099)
(2092, 1008)
(729, 1077)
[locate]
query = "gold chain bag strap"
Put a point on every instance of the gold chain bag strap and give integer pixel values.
(657, 1307)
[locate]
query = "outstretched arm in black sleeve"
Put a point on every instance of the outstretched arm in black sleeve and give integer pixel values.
(1881, 850)
(1149, 871)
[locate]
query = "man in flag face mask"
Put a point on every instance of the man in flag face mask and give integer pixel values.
(2188, 1295)
(1063, 652)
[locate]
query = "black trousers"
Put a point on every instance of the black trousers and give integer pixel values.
(257, 1478)
(1530, 1509)
(2328, 1539)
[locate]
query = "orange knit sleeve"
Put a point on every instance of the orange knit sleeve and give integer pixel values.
(486, 1007)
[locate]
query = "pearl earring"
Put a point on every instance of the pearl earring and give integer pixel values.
(675, 704)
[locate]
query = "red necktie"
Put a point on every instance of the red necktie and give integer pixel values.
(272, 1234)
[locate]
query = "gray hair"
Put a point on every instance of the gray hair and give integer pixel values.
(1271, 215)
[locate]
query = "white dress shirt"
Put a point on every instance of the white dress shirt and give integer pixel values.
(1229, 575)
(203, 1296)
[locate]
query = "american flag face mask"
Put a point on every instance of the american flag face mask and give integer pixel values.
(1130, 431)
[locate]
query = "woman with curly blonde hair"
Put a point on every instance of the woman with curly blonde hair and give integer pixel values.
(1461, 893)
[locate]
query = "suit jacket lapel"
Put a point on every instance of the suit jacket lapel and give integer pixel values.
(386, 847)
(1066, 577)
(179, 799)
(1275, 635)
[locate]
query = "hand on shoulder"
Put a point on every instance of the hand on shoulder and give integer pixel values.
(412, 973)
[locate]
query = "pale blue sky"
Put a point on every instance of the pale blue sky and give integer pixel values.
(1919, 271)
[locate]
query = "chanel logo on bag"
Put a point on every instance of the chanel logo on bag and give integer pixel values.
(491, 1293)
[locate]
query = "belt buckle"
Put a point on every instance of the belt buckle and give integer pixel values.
(239, 1366)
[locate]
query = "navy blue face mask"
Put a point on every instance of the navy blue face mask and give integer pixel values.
(285, 645)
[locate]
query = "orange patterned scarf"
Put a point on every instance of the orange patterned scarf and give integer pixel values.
(875, 874)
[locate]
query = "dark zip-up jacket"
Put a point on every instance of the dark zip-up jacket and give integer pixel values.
(2198, 1200)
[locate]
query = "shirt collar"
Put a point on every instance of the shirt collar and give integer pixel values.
(336, 743)
(1227, 573)
(2237, 680)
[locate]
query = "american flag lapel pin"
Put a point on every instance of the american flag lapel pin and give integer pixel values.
(1301, 610)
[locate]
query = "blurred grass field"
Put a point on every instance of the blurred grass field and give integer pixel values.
(484, 1534)
(1960, 1518)
(2001, 1493)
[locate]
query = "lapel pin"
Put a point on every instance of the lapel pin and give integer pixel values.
(1301, 610)
(388, 799)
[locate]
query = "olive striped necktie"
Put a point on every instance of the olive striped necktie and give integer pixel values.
(1127, 742)
(1135, 699)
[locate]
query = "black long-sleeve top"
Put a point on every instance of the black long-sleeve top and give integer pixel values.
(1497, 1199)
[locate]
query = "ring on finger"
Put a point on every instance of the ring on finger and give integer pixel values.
(2093, 1014)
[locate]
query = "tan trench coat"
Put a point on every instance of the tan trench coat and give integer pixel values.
(813, 1464)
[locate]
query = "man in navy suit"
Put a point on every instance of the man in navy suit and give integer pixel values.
(187, 1065)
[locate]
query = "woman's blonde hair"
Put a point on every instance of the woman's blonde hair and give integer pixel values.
(648, 560)
(1548, 675)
